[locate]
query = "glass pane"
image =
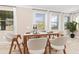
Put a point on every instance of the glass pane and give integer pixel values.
(6, 20)
(54, 26)
(66, 19)
(77, 20)
(54, 22)
(40, 21)
(9, 25)
(54, 19)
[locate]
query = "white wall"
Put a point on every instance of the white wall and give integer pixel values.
(24, 19)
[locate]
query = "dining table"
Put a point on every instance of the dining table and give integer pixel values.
(26, 37)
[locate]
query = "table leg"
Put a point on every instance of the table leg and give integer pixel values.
(49, 44)
(11, 46)
(24, 44)
(49, 48)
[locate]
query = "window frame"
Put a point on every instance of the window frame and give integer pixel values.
(53, 14)
(14, 19)
(64, 21)
(40, 12)
(77, 22)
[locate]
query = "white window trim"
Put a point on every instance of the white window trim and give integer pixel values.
(14, 18)
(76, 21)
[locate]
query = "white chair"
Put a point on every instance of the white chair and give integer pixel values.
(11, 37)
(37, 45)
(58, 44)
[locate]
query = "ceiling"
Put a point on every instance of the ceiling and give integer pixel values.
(59, 8)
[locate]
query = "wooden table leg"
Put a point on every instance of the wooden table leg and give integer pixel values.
(49, 44)
(49, 48)
(11, 46)
(24, 39)
(14, 47)
(27, 38)
(46, 48)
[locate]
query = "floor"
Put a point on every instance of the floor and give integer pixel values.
(72, 48)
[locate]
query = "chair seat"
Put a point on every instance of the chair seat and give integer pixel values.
(36, 51)
(57, 47)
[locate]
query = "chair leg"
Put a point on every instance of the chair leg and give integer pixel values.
(11, 47)
(19, 46)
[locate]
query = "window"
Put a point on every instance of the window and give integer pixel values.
(54, 22)
(39, 20)
(66, 19)
(77, 20)
(6, 20)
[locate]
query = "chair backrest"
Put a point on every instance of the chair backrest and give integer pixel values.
(60, 41)
(37, 43)
(9, 36)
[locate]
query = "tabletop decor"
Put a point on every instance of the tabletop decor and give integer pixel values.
(35, 30)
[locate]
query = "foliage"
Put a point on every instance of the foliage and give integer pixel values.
(6, 14)
(71, 26)
(41, 26)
